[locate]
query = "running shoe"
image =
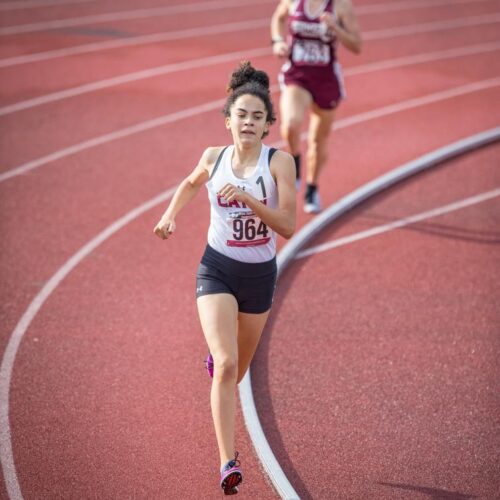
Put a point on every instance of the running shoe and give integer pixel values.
(231, 477)
(209, 365)
(312, 203)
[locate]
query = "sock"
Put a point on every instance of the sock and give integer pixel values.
(310, 189)
(297, 166)
(230, 463)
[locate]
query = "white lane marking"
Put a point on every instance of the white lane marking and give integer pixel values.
(210, 106)
(225, 28)
(288, 253)
(127, 15)
(391, 178)
(197, 7)
(432, 26)
(137, 40)
(363, 9)
(406, 105)
(207, 61)
(466, 202)
(131, 77)
(33, 4)
(383, 8)
(6, 454)
(418, 101)
(113, 136)
(423, 58)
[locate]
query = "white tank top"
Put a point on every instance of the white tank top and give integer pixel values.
(235, 231)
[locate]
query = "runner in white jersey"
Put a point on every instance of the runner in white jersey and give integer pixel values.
(252, 195)
(235, 230)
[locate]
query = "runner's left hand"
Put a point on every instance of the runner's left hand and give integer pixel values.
(230, 193)
(332, 25)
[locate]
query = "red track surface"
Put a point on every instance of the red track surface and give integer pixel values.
(387, 345)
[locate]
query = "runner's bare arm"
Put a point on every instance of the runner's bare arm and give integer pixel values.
(186, 191)
(278, 29)
(281, 219)
(345, 27)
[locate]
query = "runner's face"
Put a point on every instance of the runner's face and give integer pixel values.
(247, 121)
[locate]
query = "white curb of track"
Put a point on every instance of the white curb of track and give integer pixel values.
(308, 232)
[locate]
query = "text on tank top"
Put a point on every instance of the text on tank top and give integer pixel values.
(233, 225)
(311, 45)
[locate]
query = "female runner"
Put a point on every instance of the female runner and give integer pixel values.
(306, 32)
(251, 189)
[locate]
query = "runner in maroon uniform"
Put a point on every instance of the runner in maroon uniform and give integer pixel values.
(311, 78)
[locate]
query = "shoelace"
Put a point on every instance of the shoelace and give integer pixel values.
(232, 463)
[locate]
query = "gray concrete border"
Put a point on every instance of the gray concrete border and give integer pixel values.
(307, 233)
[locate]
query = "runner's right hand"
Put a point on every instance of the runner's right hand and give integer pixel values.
(281, 49)
(164, 228)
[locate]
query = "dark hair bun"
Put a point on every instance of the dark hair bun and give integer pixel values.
(246, 73)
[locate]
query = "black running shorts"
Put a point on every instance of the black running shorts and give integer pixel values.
(252, 284)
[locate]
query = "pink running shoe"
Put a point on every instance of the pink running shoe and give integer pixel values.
(231, 476)
(209, 365)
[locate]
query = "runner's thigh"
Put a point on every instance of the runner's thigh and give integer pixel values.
(219, 320)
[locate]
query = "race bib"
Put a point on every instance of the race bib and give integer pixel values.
(247, 230)
(310, 53)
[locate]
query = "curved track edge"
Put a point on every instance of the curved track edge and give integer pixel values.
(288, 253)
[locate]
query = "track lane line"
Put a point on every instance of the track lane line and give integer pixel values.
(210, 106)
(383, 8)
(33, 4)
(127, 15)
(432, 26)
(203, 6)
(234, 56)
(263, 449)
(423, 57)
(6, 454)
(132, 77)
(137, 40)
(299, 240)
(225, 28)
(406, 221)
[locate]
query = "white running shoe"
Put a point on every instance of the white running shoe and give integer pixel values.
(312, 203)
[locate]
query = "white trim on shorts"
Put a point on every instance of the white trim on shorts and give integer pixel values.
(281, 75)
(337, 70)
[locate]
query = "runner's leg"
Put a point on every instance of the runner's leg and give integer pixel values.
(250, 327)
(218, 316)
(320, 125)
(294, 102)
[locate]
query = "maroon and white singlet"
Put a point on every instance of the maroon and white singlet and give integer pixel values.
(235, 230)
(313, 61)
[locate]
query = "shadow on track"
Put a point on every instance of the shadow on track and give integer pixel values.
(433, 493)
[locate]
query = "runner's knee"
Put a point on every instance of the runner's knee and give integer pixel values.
(317, 151)
(316, 146)
(226, 368)
(290, 130)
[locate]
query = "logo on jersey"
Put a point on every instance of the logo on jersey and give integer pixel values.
(311, 30)
(221, 201)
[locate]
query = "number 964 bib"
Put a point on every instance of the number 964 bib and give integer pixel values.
(246, 230)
